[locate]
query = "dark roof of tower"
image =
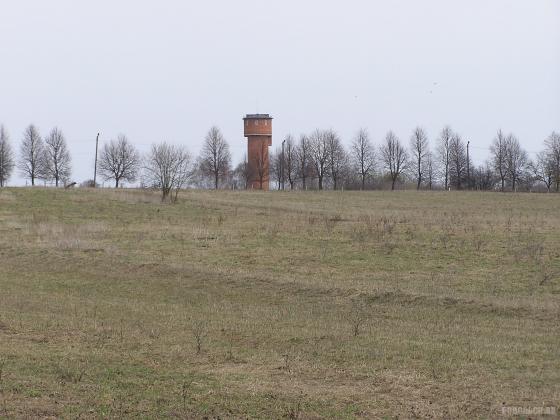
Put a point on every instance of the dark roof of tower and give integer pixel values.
(257, 117)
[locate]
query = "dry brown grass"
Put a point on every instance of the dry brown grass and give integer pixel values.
(306, 305)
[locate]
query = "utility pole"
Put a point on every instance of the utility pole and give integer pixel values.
(468, 166)
(282, 164)
(95, 169)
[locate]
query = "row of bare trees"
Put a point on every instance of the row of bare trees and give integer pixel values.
(320, 161)
(317, 160)
(322, 157)
(167, 167)
(47, 159)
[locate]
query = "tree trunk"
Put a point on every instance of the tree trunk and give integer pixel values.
(419, 175)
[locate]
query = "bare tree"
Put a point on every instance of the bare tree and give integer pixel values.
(457, 161)
(6, 157)
(119, 160)
(443, 150)
(31, 162)
(363, 156)
(56, 157)
(276, 166)
(290, 160)
(430, 170)
(483, 177)
(543, 169)
(215, 157)
(394, 157)
(552, 144)
(304, 160)
(419, 147)
(498, 149)
(337, 157)
(243, 172)
(167, 167)
(516, 161)
(319, 155)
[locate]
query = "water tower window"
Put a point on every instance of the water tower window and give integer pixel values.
(256, 122)
(265, 122)
(247, 123)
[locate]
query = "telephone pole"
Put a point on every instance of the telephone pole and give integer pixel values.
(468, 166)
(95, 169)
(282, 164)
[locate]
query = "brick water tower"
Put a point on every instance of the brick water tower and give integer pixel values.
(258, 130)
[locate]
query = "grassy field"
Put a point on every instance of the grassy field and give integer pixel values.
(295, 305)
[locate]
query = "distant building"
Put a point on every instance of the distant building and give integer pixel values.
(258, 130)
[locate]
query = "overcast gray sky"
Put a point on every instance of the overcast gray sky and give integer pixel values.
(170, 69)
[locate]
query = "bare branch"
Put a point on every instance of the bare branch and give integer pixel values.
(56, 157)
(394, 157)
(363, 156)
(215, 158)
(31, 162)
(119, 160)
(167, 167)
